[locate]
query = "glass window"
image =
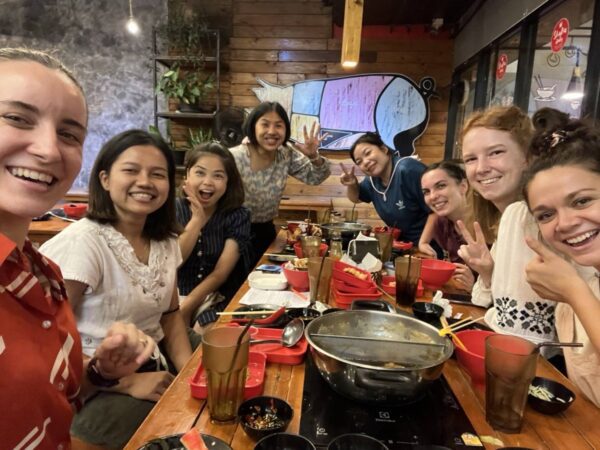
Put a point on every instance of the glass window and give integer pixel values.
(505, 63)
(558, 77)
(468, 79)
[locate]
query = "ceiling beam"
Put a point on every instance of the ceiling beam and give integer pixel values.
(353, 15)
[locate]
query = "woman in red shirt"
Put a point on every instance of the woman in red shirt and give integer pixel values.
(43, 120)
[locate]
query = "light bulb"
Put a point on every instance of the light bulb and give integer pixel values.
(132, 26)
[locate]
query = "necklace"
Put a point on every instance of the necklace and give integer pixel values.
(384, 192)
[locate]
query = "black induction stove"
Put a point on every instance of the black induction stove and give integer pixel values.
(436, 418)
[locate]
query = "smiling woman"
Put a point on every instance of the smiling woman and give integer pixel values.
(215, 243)
(392, 184)
(495, 151)
(42, 128)
(267, 160)
(120, 263)
(562, 190)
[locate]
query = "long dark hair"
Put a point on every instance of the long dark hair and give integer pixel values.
(259, 111)
(160, 224)
(562, 141)
(234, 194)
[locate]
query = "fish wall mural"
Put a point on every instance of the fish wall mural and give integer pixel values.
(392, 105)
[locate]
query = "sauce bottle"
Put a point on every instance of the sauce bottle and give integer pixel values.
(335, 245)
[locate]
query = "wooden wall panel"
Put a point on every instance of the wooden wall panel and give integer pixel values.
(286, 41)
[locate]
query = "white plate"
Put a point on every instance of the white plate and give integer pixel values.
(267, 281)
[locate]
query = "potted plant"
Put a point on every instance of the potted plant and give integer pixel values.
(188, 87)
(184, 32)
(198, 136)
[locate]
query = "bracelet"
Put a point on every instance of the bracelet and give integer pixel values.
(96, 377)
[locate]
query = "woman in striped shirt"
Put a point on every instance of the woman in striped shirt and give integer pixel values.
(215, 242)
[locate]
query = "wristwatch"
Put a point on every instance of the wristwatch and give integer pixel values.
(96, 377)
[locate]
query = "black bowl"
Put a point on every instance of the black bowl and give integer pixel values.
(306, 314)
(556, 390)
(172, 442)
(427, 312)
(332, 310)
(279, 441)
(355, 441)
(256, 407)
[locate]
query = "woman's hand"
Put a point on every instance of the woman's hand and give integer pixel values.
(475, 252)
(348, 178)
(124, 349)
(312, 140)
(463, 276)
(550, 276)
(198, 214)
(427, 250)
(147, 385)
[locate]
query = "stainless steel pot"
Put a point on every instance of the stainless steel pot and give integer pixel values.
(347, 230)
(371, 372)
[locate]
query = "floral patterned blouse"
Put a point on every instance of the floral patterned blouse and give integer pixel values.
(264, 188)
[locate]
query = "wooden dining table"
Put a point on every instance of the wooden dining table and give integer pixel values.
(177, 411)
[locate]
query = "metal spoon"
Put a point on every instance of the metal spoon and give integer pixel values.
(292, 333)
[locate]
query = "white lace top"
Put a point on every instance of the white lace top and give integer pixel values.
(120, 287)
(516, 308)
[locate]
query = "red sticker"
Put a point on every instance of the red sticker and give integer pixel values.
(560, 33)
(501, 67)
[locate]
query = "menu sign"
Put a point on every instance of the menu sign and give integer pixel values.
(560, 33)
(501, 67)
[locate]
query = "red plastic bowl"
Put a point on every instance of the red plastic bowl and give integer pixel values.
(300, 254)
(76, 210)
(473, 359)
(435, 272)
(298, 279)
(386, 284)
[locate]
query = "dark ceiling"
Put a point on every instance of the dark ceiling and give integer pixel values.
(410, 12)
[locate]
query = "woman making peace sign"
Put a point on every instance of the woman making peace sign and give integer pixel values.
(392, 184)
(265, 163)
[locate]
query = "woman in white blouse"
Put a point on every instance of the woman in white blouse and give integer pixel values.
(120, 264)
(265, 163)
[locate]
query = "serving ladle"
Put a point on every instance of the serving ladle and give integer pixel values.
(292, 333)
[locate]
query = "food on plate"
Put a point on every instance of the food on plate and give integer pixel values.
(391, 284)
(356, 273)
(192, 440)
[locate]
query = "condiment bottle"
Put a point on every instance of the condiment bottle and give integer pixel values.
(335, 245)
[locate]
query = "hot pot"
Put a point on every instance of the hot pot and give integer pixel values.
(347, 230)
(369, 371)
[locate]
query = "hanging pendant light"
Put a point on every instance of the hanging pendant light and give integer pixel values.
(132, 25)
(353, 14)
(575, 87)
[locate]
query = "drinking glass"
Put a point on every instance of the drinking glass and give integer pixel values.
(510, 363)
(225, 377)
(311, 245)
(319, 278)
(408, 271)
(385, 239)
